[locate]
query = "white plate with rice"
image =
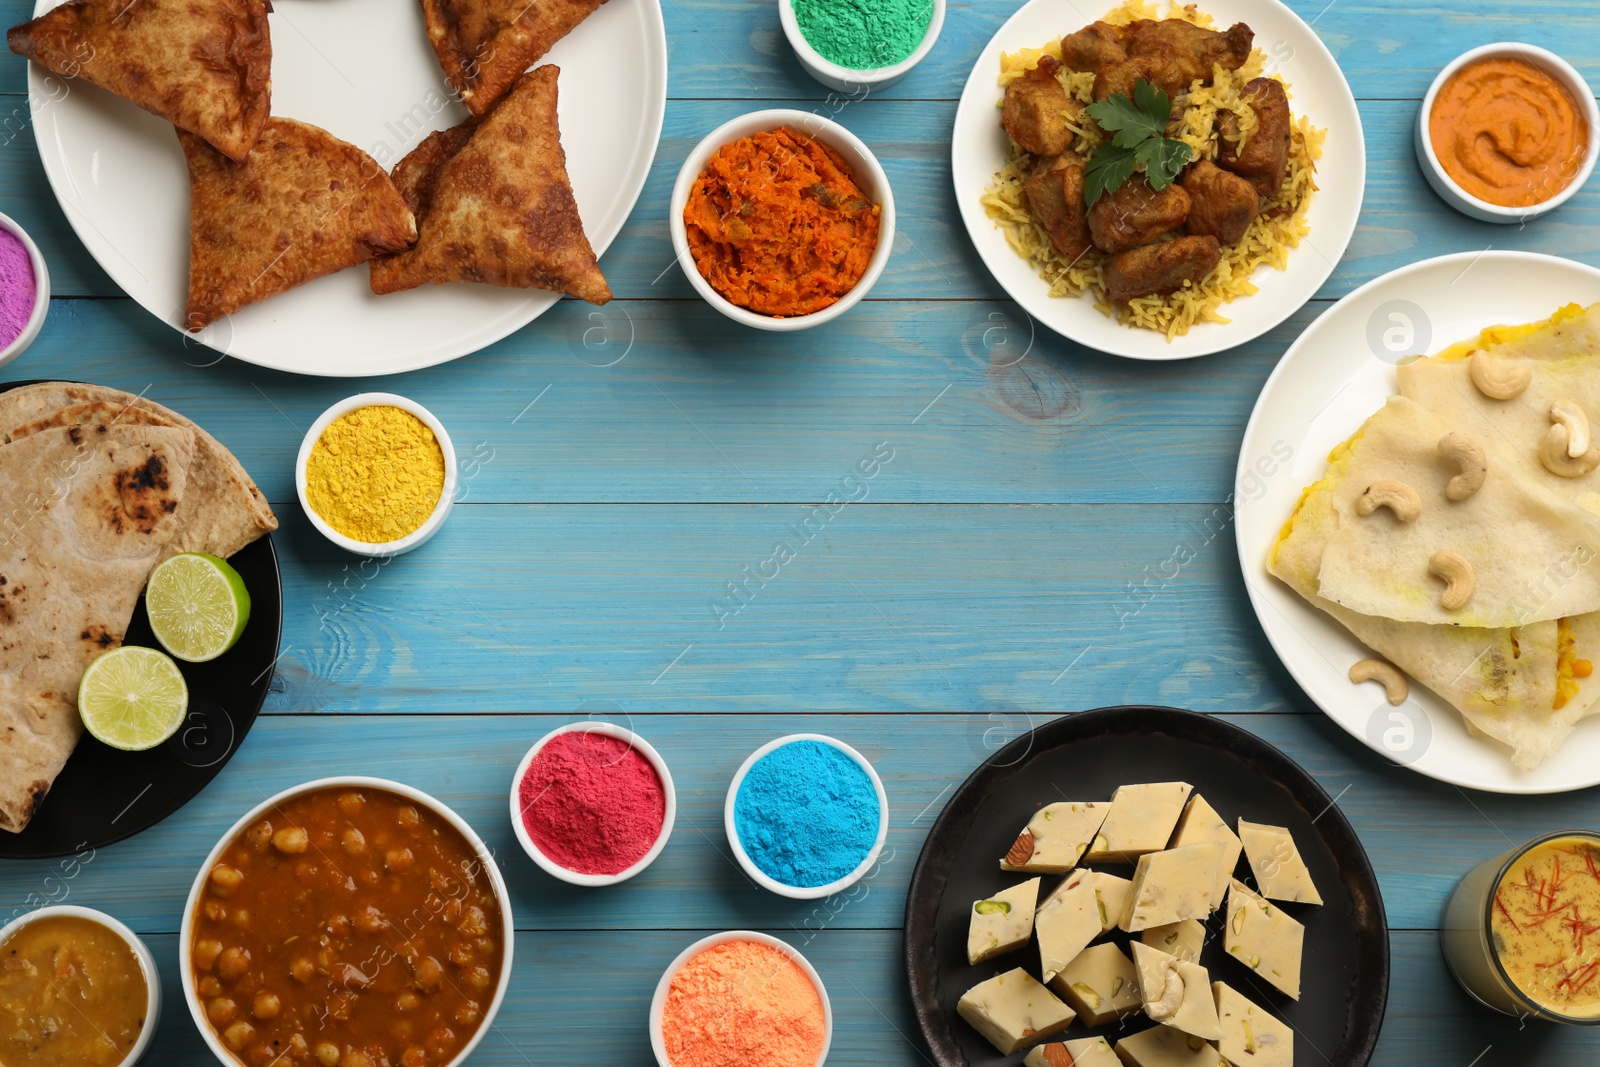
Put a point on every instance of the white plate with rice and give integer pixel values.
(1319, 95)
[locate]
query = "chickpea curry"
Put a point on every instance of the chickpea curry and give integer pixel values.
(347, 928)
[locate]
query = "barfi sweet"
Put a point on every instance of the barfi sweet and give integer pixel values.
(1141, 820)
(1264, 938)
(1176, 993)
(1065, 923)
(1013, 1011)
(1251, 1035)
(1183, 939)
(1002, 922)
(1179, 883)
(1162, 1046)
(1084, 1052)
(1201, 823)
(1280, 872)
(1055, 838)
(1100, 985)
(1110, 897)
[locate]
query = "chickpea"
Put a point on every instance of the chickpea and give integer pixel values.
(303, 970)
(356, 1058)
(292, 840)
(371, 921)
(354, 841)
(307, 871)
(259, 835)
(409, 818)
(351, 803)
(206, 951)
(413, 1057)
(327, 1053)
(398, 859)
(468, 1013)
(452, 911)
(479, 978)
(298, 1049)
(225, 879)
(407, 1001)
(461, 954)
(241, 917)
(214, 911)
(238, 1035)
(339, 924)
(221, 1010)
(209, 987)
(474, 923)
(441, 1041)
(429, 974)
(266, 1006)
(233, 962)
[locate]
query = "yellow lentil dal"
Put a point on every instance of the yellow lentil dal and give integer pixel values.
(375, 474)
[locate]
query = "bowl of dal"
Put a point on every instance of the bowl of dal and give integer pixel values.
(81, 979)
(376, 474)
(782, 166)
(350, 920)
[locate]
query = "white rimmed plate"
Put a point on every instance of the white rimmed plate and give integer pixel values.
(1318, 89)
(1329, 381)
(363, 70)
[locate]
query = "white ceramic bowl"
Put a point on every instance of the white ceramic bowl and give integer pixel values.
(147, 963)
(1463, 201)
(765, 880)
(551, 866)
(658, 1003)
(416, 796)
(848, 79)
(41, 300)
(869, 175)
(447, 497)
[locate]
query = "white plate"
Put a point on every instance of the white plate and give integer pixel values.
(1318, 89)
(363, 70)
(1337, 374)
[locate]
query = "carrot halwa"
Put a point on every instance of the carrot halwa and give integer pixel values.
(777, 224)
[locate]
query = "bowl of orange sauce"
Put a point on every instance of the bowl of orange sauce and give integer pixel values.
(1508, 132)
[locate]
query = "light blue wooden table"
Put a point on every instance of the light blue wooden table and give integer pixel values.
(990, 579)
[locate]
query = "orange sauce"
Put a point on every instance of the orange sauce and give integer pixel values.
(1508, 132)
(1545, 925)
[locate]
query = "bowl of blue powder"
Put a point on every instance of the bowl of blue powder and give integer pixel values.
(806, 816)
(24, 290)
(856, 46)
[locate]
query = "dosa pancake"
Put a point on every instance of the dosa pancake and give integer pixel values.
(203, 65)
(88, 514)
(301, 205)
(1533, 554)
(485, 45)
(500, 209)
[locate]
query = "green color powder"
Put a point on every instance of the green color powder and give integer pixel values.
(864, 34)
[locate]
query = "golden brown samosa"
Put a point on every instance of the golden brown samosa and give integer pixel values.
(485, 45)
(301, 205)
(203, 65)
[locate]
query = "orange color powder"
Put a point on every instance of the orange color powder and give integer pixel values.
(741, 1003)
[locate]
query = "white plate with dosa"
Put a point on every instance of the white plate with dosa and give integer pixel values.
(1338, 373)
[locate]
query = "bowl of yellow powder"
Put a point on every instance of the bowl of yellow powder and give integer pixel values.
(377, 474)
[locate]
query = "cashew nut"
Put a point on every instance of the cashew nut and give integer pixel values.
(1566, 413)
(1171, 996)
(1466, 452)
(1395, 686)
(1459, 579)
(1398, 497)
(1554, 453)
(1497, 378)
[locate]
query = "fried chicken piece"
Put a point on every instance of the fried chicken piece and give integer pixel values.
(204, 67)
(1265, 159)
(1221, 204)
(485, 45)
(302, 204)
(1160, 268)
(1172, 54)
(1135, 214)
(1055, 196)
(494, 204)
(1037, 110)
(1097, 45)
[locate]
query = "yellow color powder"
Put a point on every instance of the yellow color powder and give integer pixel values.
(375, 474)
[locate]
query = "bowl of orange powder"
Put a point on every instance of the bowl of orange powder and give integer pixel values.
(782, 219)
(740, 998)
(1508, 132)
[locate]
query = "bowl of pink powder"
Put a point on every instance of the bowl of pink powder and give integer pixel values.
(740, 998)
(24, 290)
(593, 803)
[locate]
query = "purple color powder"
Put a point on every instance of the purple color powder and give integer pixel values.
(18, 289)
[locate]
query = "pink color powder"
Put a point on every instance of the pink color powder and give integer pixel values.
(592, 803)
(18, 289)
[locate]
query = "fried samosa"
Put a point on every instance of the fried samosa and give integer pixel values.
(301, 205)
(203, 65)
(494, 205)
(485, 45)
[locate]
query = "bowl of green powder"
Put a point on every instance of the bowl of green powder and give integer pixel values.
(856, 45)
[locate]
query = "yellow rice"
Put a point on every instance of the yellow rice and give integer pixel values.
(1279, 227)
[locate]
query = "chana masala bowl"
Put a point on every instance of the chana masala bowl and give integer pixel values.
(347, 922)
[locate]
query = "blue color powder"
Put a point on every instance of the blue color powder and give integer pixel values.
(806, 814)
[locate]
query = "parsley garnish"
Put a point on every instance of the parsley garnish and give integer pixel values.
(1138, 129)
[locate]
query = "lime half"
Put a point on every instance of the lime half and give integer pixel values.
(133, 698)
(198, 606)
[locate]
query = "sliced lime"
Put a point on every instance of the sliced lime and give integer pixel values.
(198, 606)
(133, 698)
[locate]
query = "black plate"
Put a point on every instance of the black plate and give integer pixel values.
(104, 795)
(1345, 980)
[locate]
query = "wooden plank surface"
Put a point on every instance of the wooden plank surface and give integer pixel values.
(1003, 567)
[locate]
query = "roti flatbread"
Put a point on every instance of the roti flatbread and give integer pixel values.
(203, 65)
(484, 45)
(88, 514)
(499, 209)
(301, 205)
